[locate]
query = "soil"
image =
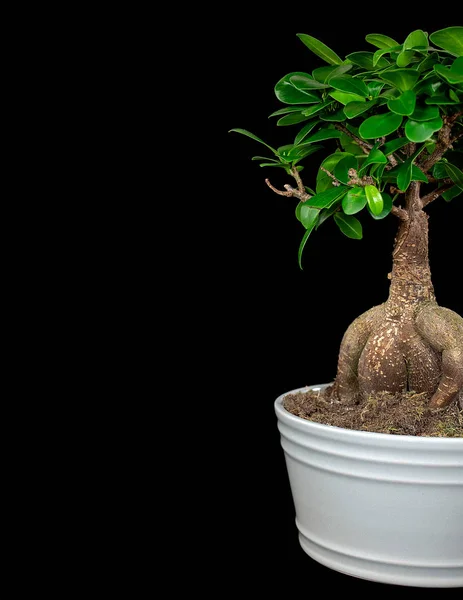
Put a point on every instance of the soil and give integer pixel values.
(407, 413)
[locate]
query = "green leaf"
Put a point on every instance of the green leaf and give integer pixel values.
(307, 83)
(402, 79)
(379, 53)
(305, 238)
(327, 198)
(405, 58)
(374, 199)
(308, 215)
(304, 132)
(417, 131)
(312, 110)
(353, 109)
(375, 157)
(286, 110)
(346, 97)
(380, 41)
(320, 49)
(287, 93)
(439, 171)
(297, 153)
(341, 170)
(324, 181)
(457, 66)
(323, 74)
(253, 137)
(450, 39)
(404, 175)
(404, 104)
(365, 60)
(354, 201)
(326, 213)
(448, 75)
(455, 174)
(350, 84)
(292, 119)
(452, 193)
(416, 39)
(387, 200)
(380, 125)
(425, 113)
(349, 225)
(394, 145)
(375, 87)
(418, 175)
(440, 100)
(453, 96)
(264, 158)
(324, 134)
(428, 62)
(336, 116)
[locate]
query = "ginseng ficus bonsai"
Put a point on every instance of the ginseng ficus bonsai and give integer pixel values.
(391, 123)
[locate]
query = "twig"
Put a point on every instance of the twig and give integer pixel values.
(290, 192)
(336, 182)
(400, 213)
(297, 177)
(363, 145)
(436, 193)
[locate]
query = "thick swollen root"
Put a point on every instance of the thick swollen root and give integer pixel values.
(352, 345)
(443, 330)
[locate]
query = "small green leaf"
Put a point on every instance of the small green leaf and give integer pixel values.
(292, 119)
(324, 181)
(418, 175)
(404, 104)
(380, 125)
(421, 131)
(354, 201)
(448, 75)
(353, 109)
(380, 41)
(453, 96)
(379, 53)
(305, 82)
(324, 134)
(297, 153)
(327, 198)
(264, 158)
(253, 137)
(375, 157)
(394, 145)
(341, 170)
(402, 79)
(286, 110)
(405, 58)
(308, 215)
(450, 39)
(365, 60)
(336, 116)
(346, 83)
(304, 132)
(416, 39)
(323, 74)
(387, 201)
(287, 93)
(425, 113)
(375, 87)
(346, 97)
(349, 225)
(326, 213)
(455, 174)
(309, 230)
(439, 171)
(404, 175)
(440, 100)
(452, 193)
(374, 199)
(312, 110)
(320, 49)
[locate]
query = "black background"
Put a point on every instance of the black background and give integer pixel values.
(278, 328)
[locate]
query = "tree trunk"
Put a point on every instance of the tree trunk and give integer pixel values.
(409, 342)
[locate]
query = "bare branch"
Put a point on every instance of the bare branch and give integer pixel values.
(297, 177)
(290, 192)
(336, 182)
(436, 193)
(400, 213)
(363, 145)
(444, 141)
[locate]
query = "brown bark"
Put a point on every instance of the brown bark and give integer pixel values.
(409, 342)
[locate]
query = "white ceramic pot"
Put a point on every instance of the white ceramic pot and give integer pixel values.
(387, 508)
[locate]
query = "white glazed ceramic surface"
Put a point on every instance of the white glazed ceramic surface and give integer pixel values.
(387, 508)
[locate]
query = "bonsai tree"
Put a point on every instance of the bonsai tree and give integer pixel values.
(390, 122)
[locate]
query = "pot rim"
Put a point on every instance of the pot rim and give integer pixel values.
(355, 435)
